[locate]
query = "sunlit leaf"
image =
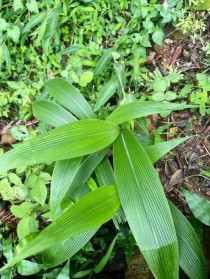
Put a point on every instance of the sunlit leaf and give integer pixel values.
(101, 204)
(138, 109)
(145, 206)
(52, 113)
(70, 97)
(68, 141)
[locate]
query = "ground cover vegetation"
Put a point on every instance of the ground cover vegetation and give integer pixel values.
(89, 90)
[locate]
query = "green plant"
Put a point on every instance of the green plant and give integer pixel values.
(200, 96)
(43, 39)
(159, 84)
(87, 191)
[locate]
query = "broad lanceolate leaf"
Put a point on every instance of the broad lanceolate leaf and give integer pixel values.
(91, 211)
(84, 172)
(52, 113)
(68, 141)
(138, 109)
(199, 206)
(106, 92)
(65, 250)
(155, 152)
(63, 175)
(192, 259)
(145, 206)
(70, 97)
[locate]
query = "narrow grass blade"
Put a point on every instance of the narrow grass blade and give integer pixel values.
(65, 250)
(90, 212)
(130, 111)
(68, 141)
(155, 152)
(145, 206)
(100, 266)
(69, 97)
(52, 113)
(192, 259)
(106, 93)
(103, 61)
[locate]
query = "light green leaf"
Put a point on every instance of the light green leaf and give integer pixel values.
(22, 210)
(64, 274)
(17, 4)
(6, 56)
(84, 171)
(26, 268)
(41, 32)
(138, 109)
(192, 259)
(145, 206)
(101, 205)
(158, 97)
(32, 5)
(203, 6)
(106, 257)
(3, 24)
(158, 36)
(39, 191)
(63, 175)
(13, 178)
(65, 250)
(36, 19)
(70, 97)
(27, 226)
(103, 61)
(14, 33)
(106, 92)
(65, 142)
(85, 78)
(199, 206)
(52, 113)
(157, 151)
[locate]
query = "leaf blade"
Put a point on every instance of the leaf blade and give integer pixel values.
(100, 204)
(145, 206)
(70, 97)
(139, 109)
(52, 113)
(68, 141)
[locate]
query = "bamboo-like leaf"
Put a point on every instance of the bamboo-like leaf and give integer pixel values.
(52, 113)
(156, 151)
(192, 259)
(138, 109)
(65, 250)
(104, 173)
(65, 142)
(103, 61)
(69, 97)
(84, 172)
(105, 176)
(145, 206)
(106, 92)
(199, 206)
(63, 175)
(90, 212)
